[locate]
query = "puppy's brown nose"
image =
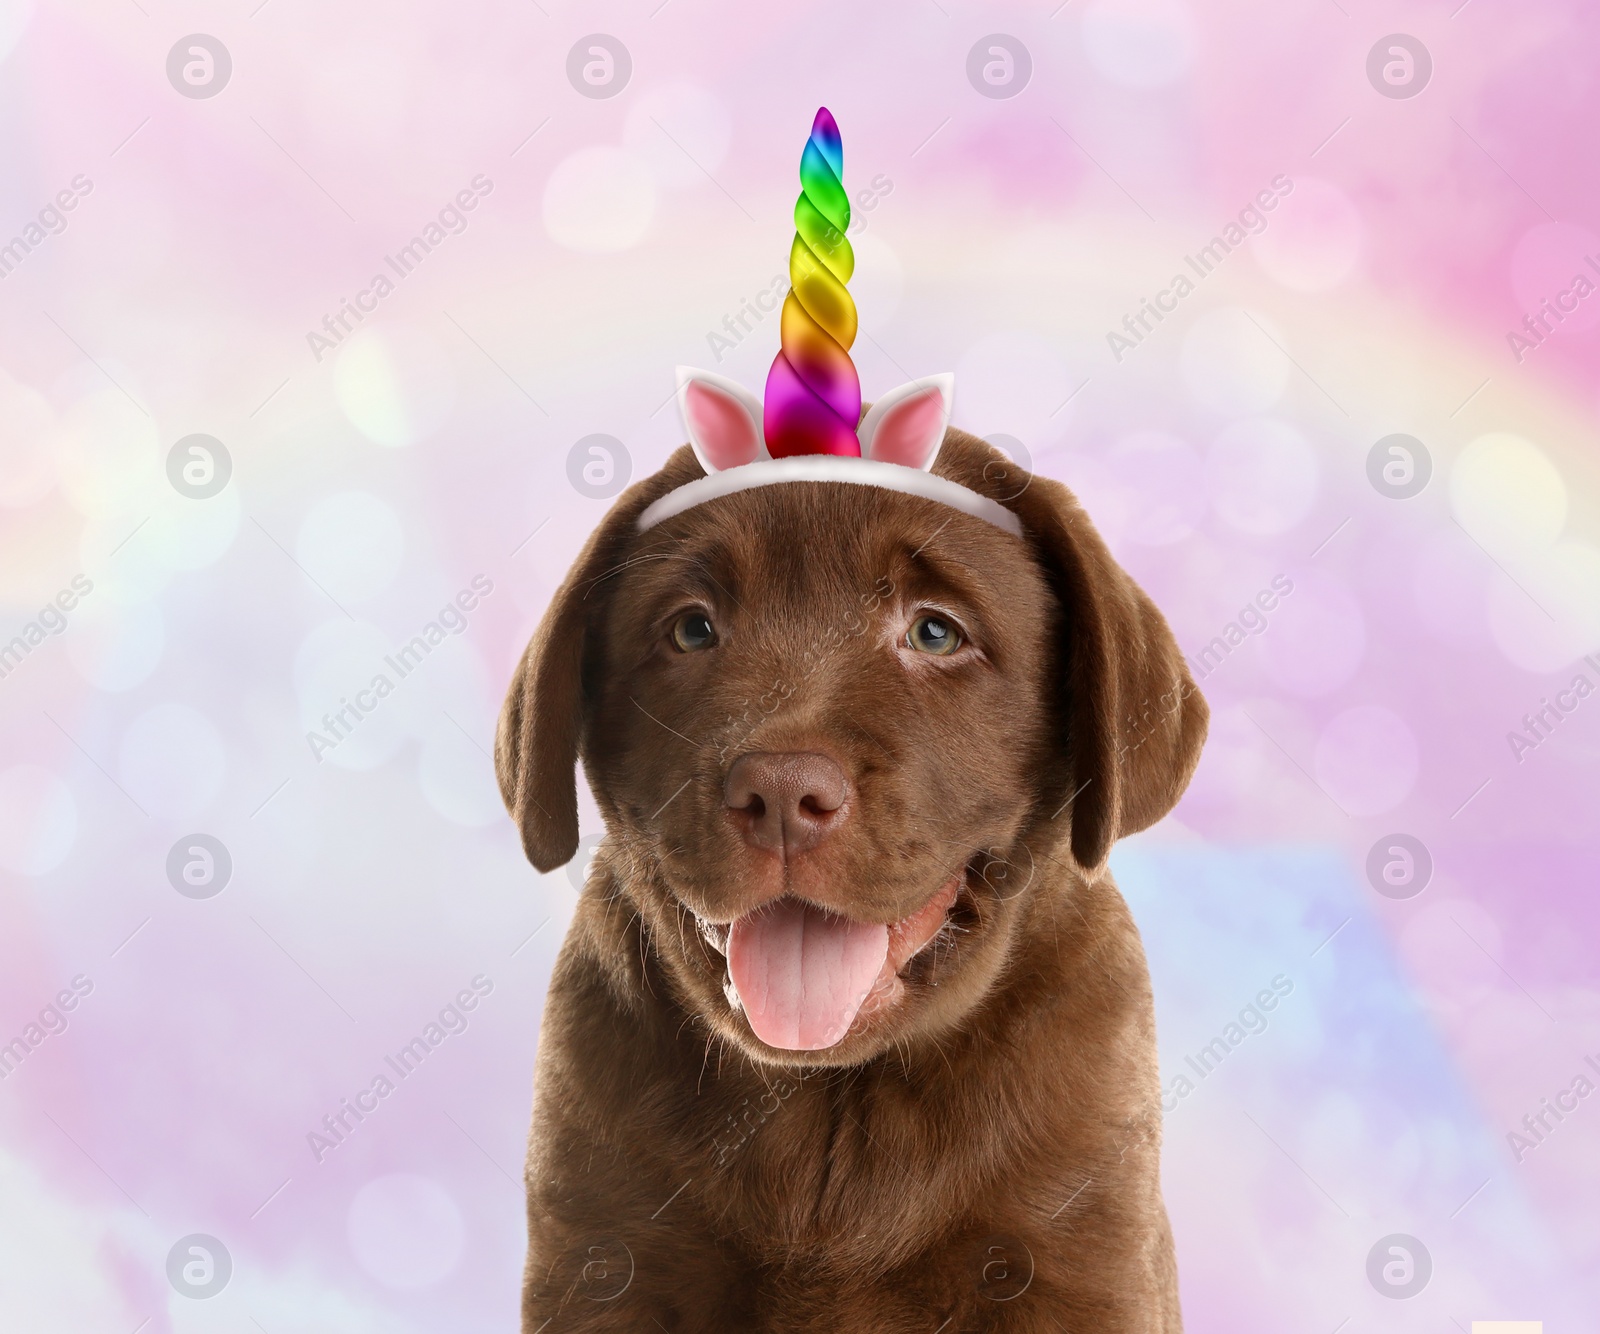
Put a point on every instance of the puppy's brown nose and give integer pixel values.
(786, 803)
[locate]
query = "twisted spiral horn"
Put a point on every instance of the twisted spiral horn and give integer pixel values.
(813, 397)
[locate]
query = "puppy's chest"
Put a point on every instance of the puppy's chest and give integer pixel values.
(841, 1164)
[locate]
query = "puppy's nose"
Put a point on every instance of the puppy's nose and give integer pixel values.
(786, 803)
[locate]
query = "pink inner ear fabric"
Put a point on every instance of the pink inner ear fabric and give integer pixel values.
(910, 431)
(721, 426)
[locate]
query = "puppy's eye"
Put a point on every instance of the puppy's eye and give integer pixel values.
(933, 634)
(693, 631)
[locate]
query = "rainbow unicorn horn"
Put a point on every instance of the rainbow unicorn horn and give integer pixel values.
(813, 397)
(806, 431)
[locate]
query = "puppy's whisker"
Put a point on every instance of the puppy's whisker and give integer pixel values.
(644, 961)
(659, 723)
(711, 1036)
(727, 592)
(638, 559)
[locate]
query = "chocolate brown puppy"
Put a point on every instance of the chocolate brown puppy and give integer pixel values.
(852, 1031)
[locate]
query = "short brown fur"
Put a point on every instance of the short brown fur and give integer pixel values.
(1001, 1119)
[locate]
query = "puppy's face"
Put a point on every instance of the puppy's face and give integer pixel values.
(836, 732)
(819, 713)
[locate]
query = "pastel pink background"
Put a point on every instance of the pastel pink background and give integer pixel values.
(1004, 239)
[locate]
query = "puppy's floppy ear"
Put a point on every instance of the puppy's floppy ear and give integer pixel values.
(541, 722)
(1135, 719)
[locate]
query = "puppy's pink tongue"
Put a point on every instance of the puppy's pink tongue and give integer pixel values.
(802, 973)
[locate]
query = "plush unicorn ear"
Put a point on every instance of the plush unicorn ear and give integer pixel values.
(723, 420)
(906, 425)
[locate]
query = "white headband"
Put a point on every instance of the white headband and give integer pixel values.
(900, 438)
(830, 468)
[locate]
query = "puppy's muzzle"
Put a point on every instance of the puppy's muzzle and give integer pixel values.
(786, 803)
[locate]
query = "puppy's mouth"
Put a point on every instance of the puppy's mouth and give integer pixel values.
(803, 976)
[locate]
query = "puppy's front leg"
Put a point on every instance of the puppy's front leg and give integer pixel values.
(642, 1275)
(616, 1238)
(1029, 1281)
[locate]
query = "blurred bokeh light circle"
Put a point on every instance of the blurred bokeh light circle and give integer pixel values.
(1263, 476)
(599, 200)
(115, 647)
(680, 131)
(172, 760)
(1508, 496)
(1312, 240)
(27, 469)
(1231, 363)
(396, 383)
(38, 820)
(352, 544)
(1366, 759)
(1162, 481)
(405, 1231)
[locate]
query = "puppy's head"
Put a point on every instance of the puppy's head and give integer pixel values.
(839, 734)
